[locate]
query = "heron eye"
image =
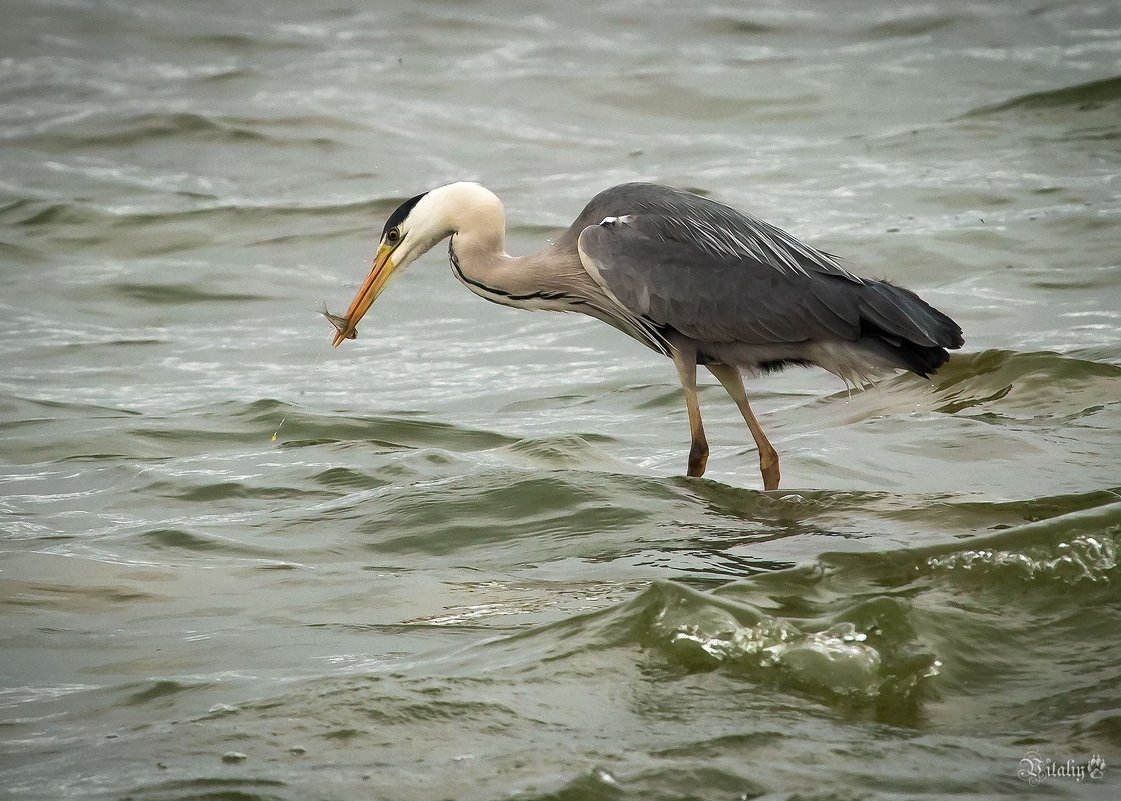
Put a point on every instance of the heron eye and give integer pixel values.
(393, 235)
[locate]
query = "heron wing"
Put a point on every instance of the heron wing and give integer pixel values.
(717, 282)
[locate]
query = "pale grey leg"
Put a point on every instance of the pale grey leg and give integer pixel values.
(768, 458)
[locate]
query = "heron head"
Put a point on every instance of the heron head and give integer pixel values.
(396, 250)
(410, 231)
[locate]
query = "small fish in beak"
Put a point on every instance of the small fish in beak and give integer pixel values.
(340, 323)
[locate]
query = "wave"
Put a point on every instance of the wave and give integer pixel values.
(62, 218)
(905, 24)
(735, 25)
(102, 432)
(183, 541)
(171, 294)
(243, 42)
(998, 385)
(1088, 96)
(871, 630)
(157, 127)
(402, 430)
(180, 223)
(911, 24)
(1005, 383)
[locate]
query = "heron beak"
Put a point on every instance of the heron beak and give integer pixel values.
(367, 293)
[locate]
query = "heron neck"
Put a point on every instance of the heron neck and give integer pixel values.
(540, 280)
(548, 279)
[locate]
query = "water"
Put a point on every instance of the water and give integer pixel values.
(468, 565)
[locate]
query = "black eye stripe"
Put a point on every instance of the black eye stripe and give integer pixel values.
(398, 216)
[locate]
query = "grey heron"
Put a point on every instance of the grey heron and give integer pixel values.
(691, 278)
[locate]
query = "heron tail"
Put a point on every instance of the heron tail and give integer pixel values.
(905, 328)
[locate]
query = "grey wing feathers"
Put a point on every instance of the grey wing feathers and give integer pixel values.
(711, 227)
(713, 298)
(718, 276)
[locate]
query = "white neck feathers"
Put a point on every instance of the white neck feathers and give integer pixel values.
(468, 209)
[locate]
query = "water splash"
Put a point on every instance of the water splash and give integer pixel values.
(1083, 558)
(838, 660)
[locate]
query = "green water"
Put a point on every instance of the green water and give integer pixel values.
(457, 558)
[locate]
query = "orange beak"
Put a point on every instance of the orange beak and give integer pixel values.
(367, 293)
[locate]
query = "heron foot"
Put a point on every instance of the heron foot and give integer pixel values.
(698, 459)
(768, 466)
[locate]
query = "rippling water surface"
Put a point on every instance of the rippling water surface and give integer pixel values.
(467, 565)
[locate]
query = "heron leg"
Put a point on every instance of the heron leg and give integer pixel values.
(686, 363)
(768, 458)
